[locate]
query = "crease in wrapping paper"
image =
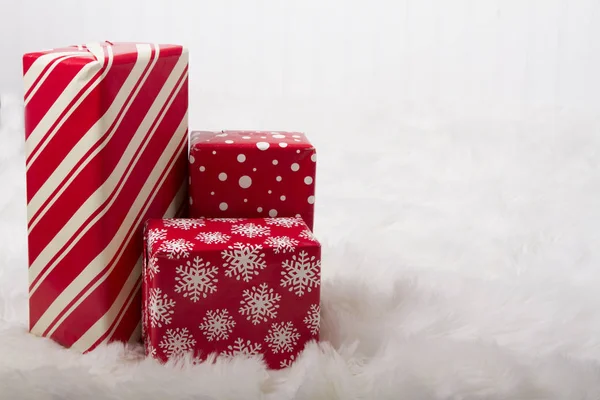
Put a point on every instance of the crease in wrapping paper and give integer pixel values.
(93, 49)
(96, 49)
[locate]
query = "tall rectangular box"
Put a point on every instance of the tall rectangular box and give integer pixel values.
(106, 149)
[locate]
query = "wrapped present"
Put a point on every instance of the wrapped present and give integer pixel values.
(230, 286)
(239, 174)
(106, 147)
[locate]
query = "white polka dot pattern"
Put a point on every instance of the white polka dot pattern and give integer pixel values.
(252, 173)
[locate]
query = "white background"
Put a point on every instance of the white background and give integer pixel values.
(332, 64)
(459, 223)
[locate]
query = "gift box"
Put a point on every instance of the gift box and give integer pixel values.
(230, 286)
(240, 174)
(106, 147)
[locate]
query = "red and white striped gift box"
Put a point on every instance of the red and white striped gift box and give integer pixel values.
(106, 145)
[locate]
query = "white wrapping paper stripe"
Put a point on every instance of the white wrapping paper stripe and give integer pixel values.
(111, 252)
(97, 50)
(48, 126)
(142, 135)
(110, 120)
(38, 66)
(117, 310)
(53, 65)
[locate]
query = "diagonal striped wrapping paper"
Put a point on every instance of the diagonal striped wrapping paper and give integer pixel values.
(106, 149)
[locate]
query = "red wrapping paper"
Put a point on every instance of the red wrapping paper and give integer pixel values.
(231, 286)
(106, 136)
(241, 174)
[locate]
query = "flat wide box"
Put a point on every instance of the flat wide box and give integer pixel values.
(252, 174)
(247, 286)
(106, 143)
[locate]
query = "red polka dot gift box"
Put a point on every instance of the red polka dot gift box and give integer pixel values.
(230, 286)
(252, 174)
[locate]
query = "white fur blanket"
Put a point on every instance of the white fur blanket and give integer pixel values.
(461, 261)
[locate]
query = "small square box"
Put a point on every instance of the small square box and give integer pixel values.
(252, 174)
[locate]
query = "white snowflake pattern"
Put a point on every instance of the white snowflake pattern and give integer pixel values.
(213, 237)
(217, 325)
(285, 222)
(282, 337)
(288, 362)
(151, 351)
(259, 303)
(313, 319)
(154, 235)
(196, 279)
(184, 223)
(243, 261)
(152, 267)
(177, 342)
(301, 273)
(308, 235)
(246, 348)
(160, 308)
(281, 244)
(251, 230)
(176, 248)
(230, 220)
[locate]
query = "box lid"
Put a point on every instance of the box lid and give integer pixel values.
(247, 138)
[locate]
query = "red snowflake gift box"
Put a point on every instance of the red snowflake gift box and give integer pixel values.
(252, 174)
(106, 148)
(230, 286)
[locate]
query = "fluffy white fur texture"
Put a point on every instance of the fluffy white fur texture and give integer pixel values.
(461, 261)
